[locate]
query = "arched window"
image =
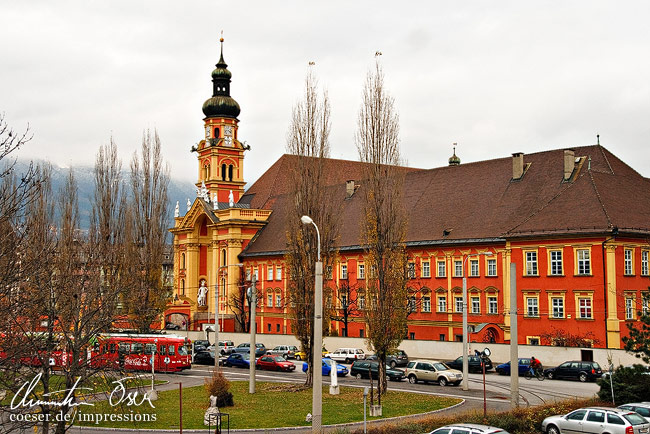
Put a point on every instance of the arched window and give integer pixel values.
(223, 257)
(216, 133)
(206, 172)
(230, 173)
(182, 286)
(182, 260)
(223, 172)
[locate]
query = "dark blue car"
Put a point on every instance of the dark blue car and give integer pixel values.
(341, 371)
(241, 360)
(524, 366)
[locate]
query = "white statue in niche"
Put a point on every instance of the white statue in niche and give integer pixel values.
(202, 297)
(231, 199)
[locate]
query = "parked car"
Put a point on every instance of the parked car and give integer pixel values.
(432, 370)
(473, 364)
(286, 351)
(200, 345)
(274, 363)
(361, 368)
(300, 355)
(347, 355)
(172, 326)
(240, 360)
(524, 366)
(396, 358)
(576, 370)
(226, 347)
(643, 408)
(260, 349)
(341, 371)
(468, 428)
(205, 358)
(597, 420)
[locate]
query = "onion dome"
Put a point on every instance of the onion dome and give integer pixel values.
(221, 103)
(454, 160)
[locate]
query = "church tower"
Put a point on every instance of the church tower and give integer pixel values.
(221, 154)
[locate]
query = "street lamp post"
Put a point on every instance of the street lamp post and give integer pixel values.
(465, 342)
(251, 352)
(216, 312)
(317, 344)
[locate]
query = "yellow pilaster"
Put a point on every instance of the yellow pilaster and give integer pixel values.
(613, 322)
(192, 266)
(450, 298)
(507, 259)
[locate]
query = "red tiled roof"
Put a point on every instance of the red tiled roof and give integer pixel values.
(480, 201)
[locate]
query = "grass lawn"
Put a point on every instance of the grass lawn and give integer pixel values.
(273, 405)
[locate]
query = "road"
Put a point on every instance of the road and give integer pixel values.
(532, 392)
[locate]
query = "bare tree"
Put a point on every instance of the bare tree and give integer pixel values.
(383, 227)
(308, 139)
(146, 227)
(347, 297)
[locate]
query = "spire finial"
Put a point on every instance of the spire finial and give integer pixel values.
(454, 160)
(598, 139)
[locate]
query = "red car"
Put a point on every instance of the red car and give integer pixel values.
(274, 363)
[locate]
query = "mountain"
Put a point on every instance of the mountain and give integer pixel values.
(177, 191)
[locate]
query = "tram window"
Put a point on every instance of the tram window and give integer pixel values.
(150, 349)
(111, 349)
(163, 350)
(182, 350)
(123, 347)
(172, 350)
(137, 348)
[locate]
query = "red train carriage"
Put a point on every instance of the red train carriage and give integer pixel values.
(134, 352)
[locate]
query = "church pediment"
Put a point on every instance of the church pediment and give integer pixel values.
(198, 208)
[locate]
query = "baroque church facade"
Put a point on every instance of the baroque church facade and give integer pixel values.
(576, 222)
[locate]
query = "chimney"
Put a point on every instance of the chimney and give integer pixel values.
(569, 163)
(349, 189)
(517, 165)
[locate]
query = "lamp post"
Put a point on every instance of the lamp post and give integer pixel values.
(216, 312)
(317, 344)
(465, 343)
(253, 326)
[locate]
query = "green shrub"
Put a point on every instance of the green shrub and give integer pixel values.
(219, 386)
(631, 384)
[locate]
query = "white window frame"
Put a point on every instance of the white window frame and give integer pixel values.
(426, 304)
(344, 271)
(441, 305)
(585, 304)
(362, 302)
(278, 272)
(269, 272)
(473, 268)
(458, 268)
(442, 268)
(493, 305)
(629, 308)
(411, 270)
(361, 271)
(644, 262)
(476, 305)
(278, 300)
(532, 307)
(584, 262)
(556, 264)
(530, 260)
(426, 269)
(412, 304)
(458, 304)
(557, 309)
(269, 300)
(627, 261)
(491, 267)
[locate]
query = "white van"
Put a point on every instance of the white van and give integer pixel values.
(347, 355)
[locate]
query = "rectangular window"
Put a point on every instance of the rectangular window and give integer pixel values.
(476, 305)
(458, 304)
(473, 267)
(249, 274)
(412, 336)
(442, 337)
(344, 301)
(458, 268)
(256, 273)
(628, 261)
(269, 327)
(411, 270)
(344, 272)
(277, 328)
(361, 274)
(278, 273)
(278, 300)
(491, 267)
(328, 272)
(442, 303)
(426, 270)
(532, 306)
(531, 263)
(585, 308)
(362, 334)
(629, 308)
(557, 304)
(269, 272)
(584, 262)
(362, 302)
(644, 262)
(441, 269)
(644, 305)
(426, 304)
(269, 300)
(556, 262)
(492, 305)
(412, 304)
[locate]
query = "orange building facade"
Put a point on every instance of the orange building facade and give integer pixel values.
(575, 222)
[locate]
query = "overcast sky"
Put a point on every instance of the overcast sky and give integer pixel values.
(495, 76)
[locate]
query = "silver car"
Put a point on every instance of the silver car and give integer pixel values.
(597, 420)
(643, 408)
(468, 428)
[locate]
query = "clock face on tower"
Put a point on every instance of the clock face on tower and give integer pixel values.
(207, 132)
(227, 135)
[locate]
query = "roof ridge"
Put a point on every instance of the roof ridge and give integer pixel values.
(606, 159)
